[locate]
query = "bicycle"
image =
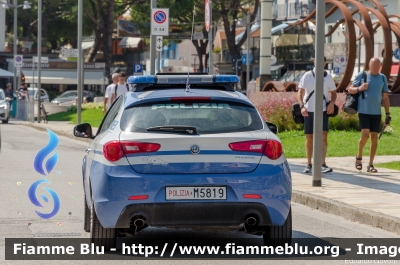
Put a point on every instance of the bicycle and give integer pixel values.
(43, 113)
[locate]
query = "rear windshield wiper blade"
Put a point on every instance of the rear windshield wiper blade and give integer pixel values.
(174, 128)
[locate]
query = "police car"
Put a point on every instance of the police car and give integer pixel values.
(185, 152)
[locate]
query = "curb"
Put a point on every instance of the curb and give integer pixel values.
(383, 221)
(44, 128)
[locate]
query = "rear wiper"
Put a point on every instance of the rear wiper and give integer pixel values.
(174, 128)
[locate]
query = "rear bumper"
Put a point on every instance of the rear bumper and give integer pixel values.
(111, 186)
(194, 214)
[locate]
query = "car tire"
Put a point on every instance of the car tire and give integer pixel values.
(5, 121)
(99, 235)
(279, 235)
(86, 217)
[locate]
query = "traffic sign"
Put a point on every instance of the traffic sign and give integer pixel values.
(159, 43)
(42, 59)
(336, 70)
(18, 71)
(18, 60)
(207, 11)
(244, 59)
(137, 69)
(340, 62)
(160, 21)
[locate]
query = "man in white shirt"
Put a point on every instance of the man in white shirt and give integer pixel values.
(107, 94)
(306, 99)
(119, 89)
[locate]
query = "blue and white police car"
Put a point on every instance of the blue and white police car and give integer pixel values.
(190, 152)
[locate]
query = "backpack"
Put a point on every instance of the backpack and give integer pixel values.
(115, 89)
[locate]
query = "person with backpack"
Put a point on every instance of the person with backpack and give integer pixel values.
(306, 100)
(373, 88)
(120, 88)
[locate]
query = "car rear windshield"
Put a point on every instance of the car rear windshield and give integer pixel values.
(207, 116)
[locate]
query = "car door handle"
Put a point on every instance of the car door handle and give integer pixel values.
(88, 150)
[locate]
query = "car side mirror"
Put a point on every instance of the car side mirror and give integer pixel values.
(83, 130)
(272, 127)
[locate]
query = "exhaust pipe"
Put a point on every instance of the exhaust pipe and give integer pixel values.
(251, 220)
(139, 222)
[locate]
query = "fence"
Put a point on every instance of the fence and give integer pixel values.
(25, 110)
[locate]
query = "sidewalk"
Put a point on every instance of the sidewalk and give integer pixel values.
(372, 199)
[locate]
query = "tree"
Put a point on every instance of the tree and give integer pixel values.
(103, 14)
(229, 11)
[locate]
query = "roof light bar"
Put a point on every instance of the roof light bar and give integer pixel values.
(182, 79)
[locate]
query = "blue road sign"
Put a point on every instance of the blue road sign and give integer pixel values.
(336, 70)
(244, 59)
(396, 53)
(137, 68)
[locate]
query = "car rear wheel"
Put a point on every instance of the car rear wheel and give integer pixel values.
(5, 121)
(86, 217)
(99, 235)
(279, 235)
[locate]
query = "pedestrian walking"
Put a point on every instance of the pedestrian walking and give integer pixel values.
(107, 94)
(120, 88)
(373, 87)
(306, 101)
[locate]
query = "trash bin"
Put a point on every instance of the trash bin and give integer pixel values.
(13, 111)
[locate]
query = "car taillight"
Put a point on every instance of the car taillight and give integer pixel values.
(112, 151)
(270, 148)
(115, 150)
(273, 149)
(139, 147)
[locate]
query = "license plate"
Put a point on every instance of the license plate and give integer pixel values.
(195, 193)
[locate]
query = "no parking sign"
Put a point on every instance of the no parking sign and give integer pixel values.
(160, 21)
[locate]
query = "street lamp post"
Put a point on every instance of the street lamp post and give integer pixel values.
(294, 51)
(15, 5)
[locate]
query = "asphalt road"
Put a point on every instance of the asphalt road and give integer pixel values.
(18, 219)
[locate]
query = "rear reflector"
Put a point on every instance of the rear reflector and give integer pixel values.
(115, 150)
(270, 148)
(190, 98)
(252, 196)
(138, 197)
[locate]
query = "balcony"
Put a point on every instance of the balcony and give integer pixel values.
(292, 10)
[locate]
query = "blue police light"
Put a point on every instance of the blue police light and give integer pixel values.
(141, 79)
(226, 79)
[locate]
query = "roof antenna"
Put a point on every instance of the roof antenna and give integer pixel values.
(191, 41)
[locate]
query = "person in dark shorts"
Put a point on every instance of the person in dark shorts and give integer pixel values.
(375, 90)
(306, 88)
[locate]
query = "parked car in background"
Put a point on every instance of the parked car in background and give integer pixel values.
(44, 96)
(70, 95)
(4, 107)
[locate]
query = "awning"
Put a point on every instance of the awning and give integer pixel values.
(253, 28)
(129, 42)
(279, 28)
(4, 73)
(87, 45)
(66, 77)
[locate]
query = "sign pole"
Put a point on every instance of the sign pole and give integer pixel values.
(39, 55)
(153, 44)
(248, 50)
(318, 95)
(210, 41)
(80, 62)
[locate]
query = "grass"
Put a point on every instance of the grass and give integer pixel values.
(390, 165)
(345, 143)
(91, 116)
